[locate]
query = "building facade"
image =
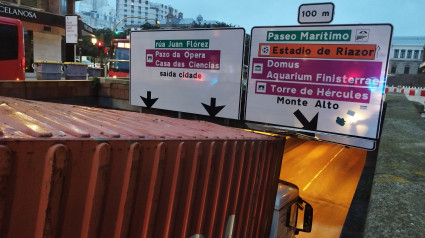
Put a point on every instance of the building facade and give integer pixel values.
(97, 13)
(172, 21)
(406, 54)
(133, 13)
(44, 28)
(138, 12)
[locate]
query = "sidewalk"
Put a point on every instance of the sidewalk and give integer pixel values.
(397, 206)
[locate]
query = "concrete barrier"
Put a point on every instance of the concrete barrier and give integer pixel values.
(412, 94)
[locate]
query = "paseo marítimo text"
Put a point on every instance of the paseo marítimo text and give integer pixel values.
(307, 35)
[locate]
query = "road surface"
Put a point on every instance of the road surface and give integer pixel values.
(327, 176)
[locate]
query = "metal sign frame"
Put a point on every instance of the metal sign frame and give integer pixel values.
(303, 116)
(195, 71)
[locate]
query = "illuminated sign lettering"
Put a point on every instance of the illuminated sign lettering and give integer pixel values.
(123, 45)
(314, 35)
(194, 44)
(18, 12)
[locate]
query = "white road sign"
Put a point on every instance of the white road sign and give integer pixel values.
(316, 13)
(194, 71)
(328, 79)
(71, 25)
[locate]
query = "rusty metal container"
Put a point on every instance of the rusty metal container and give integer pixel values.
(73, 171)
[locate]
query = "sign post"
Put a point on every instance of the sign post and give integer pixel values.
(193, 71)
(319, 79)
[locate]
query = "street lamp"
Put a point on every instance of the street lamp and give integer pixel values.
(93, 40)
(144, 18)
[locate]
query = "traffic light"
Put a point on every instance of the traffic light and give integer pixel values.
(100, 45)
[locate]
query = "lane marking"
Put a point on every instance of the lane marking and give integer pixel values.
(317, 175)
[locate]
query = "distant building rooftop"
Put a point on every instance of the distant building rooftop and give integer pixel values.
(408, 40)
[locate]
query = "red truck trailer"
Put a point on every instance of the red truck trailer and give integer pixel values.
(74, 171)
(12, 54)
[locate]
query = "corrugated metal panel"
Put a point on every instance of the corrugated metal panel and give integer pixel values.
(72, 171)
(32, 119)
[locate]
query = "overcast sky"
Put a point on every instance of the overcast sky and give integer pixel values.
(407, 16)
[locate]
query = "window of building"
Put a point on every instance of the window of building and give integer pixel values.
(43, 4)
(416, 54)
(422, 54)
(396, 53)
(409, 54)
(402, 54)
(147, 2)
(406, 69)
(393, 69)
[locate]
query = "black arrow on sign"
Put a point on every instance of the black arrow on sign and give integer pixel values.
(308, 125)
(212, 109)
(148, 100)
